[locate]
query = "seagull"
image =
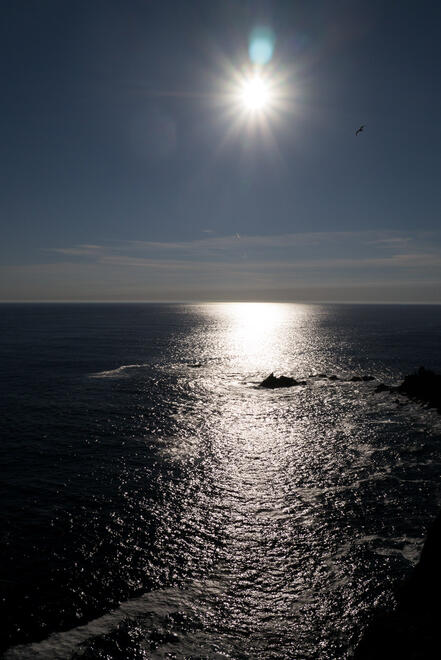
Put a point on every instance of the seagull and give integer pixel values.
(359, 130)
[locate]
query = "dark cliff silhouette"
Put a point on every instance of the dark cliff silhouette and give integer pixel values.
(412, 630)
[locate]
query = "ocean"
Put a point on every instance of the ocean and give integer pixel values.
(156, 503)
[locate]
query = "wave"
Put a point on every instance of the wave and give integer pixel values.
(62, 645)
(120, 372)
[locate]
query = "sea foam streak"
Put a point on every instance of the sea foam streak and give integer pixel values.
(120, 372)
(61, 646)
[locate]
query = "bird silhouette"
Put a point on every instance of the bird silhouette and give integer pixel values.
(359, 130)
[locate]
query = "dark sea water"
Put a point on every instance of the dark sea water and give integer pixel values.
(157, 504)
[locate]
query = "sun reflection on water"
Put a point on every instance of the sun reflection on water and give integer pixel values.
(256, 335)
(256, 328)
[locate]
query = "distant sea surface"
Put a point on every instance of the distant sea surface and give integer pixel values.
(156, 503)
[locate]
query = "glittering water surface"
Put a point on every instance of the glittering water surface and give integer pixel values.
(159, 504)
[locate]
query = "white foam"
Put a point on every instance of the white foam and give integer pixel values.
(61, 646)
(120, 372)
(406, 546)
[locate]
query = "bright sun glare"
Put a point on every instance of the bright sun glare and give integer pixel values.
(255, 94)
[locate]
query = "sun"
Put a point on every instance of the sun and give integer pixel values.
(255, 94)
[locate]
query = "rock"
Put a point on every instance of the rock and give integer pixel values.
(422, 590)
(424, 386)
(366, 379)
(332, 377)
(412, 630)
(361, 379)
(272, 382)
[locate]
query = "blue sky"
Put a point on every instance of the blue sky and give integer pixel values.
(129, 174)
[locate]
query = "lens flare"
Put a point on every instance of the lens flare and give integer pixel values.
(261, 45)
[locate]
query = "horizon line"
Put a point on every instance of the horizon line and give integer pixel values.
(217, 302)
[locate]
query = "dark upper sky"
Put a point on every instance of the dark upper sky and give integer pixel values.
(126, 173)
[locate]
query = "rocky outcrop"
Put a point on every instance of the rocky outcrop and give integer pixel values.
(272, 382)
(423, 386)
(411, 632)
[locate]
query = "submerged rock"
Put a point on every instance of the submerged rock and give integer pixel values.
(272, 382)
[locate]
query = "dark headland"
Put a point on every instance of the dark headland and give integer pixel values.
(412, 630)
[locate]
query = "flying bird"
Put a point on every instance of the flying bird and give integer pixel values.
(359, 130)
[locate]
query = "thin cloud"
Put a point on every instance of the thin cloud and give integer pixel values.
(79, 250)
(310, 239)
(309, 248)
(402, 260)
(224, 267)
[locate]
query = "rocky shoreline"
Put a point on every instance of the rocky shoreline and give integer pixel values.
(423, 386)
(273, 382)
(411, 630)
